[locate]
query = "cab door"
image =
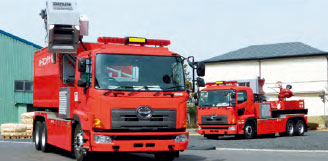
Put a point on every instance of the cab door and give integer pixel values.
(82, 92)
(242, 103)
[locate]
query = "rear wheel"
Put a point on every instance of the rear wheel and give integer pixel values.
(249, 130)
(300, 128)
(37, 135)
(166, 156)
(290, 128)
(79, 152)
(44, 138)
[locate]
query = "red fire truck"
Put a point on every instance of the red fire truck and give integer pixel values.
(240, 108)
(116, 95)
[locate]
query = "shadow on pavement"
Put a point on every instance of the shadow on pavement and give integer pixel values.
(265, 136)
(116, 156)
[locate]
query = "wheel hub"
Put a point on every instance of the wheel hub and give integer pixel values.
(290, 128)
(78, 142)
(300, 128)
(248, 130)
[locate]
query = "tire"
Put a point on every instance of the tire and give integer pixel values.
(249, 130)
(166, 156)
(290, 128)
(44, 138)
(79, 153)
(37, 135)
(299, 128)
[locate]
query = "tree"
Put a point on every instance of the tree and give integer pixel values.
(188, 77)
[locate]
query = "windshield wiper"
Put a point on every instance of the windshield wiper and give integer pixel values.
(157, 93)
(206, 105)
(174, 87)
(111, 90)
(166, 90)
(140, 89)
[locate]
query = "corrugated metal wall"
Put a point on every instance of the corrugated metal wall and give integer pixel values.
(16, 63)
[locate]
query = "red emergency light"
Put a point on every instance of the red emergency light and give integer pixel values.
(133, 40)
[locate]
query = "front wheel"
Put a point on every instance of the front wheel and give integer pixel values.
(249, 130)
(300, 128)
(79, 152)
(166, 156)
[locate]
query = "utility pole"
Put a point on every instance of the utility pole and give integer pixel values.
(323, 96)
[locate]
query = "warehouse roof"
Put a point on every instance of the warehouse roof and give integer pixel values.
(268, 51)
(20, 39)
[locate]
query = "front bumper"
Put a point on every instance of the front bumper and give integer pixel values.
(217, 129)
(139, 142)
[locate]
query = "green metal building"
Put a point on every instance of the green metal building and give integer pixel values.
(16, 76)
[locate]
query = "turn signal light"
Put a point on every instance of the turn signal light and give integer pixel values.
(233, 121)
(184, 124)
(97, 123)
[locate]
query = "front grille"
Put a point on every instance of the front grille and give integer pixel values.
(127, 119)
(214, 120)
(215, 127)
(162, 137)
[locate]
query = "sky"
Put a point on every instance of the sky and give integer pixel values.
(200, 28)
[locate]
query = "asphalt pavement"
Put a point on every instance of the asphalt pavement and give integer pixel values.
(312, 147)
(312, 140)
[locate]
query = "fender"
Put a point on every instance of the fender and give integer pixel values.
(83, 119)
(251, 119)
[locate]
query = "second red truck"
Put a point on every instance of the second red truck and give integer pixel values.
(241, 109)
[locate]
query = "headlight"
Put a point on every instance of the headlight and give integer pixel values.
(102, 139)
(232, 128)
(181, 138)
(199, 128)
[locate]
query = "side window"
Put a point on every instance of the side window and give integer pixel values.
(242, 97)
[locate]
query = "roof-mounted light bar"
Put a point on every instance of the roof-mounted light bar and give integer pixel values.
(133, 40)
(220, 83)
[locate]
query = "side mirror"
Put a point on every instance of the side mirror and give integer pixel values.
(233, 95)
(82, 82)
(200, 82)
(82, 65)
(195, 96)
(288, 86)
(201, 69)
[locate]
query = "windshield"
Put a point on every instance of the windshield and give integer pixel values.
(138, 72)
(218, 98)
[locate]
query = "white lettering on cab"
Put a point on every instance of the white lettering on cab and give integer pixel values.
(44, 61)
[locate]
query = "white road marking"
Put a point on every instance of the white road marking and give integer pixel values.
(17, 142)
(273, 150)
